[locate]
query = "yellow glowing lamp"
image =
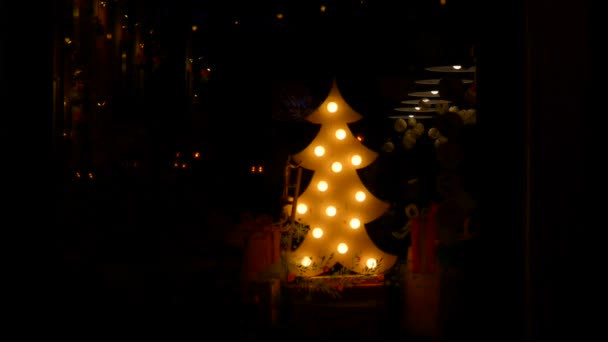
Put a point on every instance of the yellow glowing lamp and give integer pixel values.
(336, 204)
(342, 248)
(322, 186)
(302, 208)
(336, 167)
(340, 134)
(319, 151)
(306, 261)
(360, 196)
(332, 107)
(317, 233)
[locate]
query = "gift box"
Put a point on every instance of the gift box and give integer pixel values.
(267, 298)
(423, 246)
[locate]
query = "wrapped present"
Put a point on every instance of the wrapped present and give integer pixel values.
(267, 297)
(262, 250)
(421, 296)
(423, 246)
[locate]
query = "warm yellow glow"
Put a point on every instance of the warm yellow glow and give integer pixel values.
(184, 165)
(340, 134)
(260, 169)
(109, 36)
(322, 186)
(360, 196)
(332, 107)
(279, 15)
(306, 261)
(302, 208)
(425, 100)
(197, 154)
(371, 263)
(337, 213)
(317, 232)
(323, 8)
(90, 175)
(176, 164)
(457, 67)
(336, 167)
(194, 28)
(434, 92)
(253, 169)
(442, 2)
(319, 151)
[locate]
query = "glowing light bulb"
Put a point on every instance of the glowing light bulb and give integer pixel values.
(306, 261)
(360, 196)
(457, 67)
(340, 134)
(317, 233)
(330, 211)
(355, 223)
(371, 263)
(425, 100)
(302, 208)
(332, 107)
(434, 92)
(336, 167)
(342, 248)
(356, 160)
(319, 151)
(322, 186)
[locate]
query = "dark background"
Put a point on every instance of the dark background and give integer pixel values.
(538, 280)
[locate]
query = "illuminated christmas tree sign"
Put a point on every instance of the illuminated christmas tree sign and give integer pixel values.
(336, 205)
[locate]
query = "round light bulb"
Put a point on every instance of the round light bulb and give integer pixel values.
(322, 186)
(332, 107)
(355, 223)
(302, 208)
(330, 211)
(356, 160)
(360, 196)
(342, 248)
(319, 151)
(336, 167)
(317, 233)
(340, 134)
(306, 261)
(371, 263)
